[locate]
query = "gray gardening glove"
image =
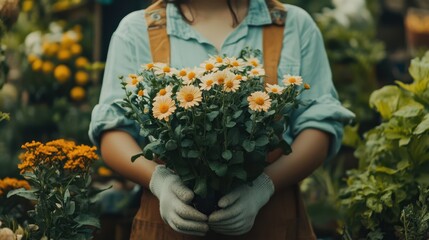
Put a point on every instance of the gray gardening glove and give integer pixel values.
(240, 207)
(173, 197)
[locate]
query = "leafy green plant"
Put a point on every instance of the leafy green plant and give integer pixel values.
(59, 174)
(393, 159)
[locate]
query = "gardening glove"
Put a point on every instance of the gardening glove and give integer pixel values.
(173, 197)
(240, 207)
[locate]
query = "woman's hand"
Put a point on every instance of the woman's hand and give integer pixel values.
(240, 207)
(173, 197)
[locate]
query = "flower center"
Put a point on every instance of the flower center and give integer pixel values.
(259, 101)
(140, 93)
(191, 75)
(209, 66)
(229, 84)
(235, 64)
(182, 73)
(162, 92)
(221, 80)
(254, 71)
(209, 82)
(292, 80)
(166, 69)
(219, 60)
(189, 97)
(163, 108)
(274, 90)
(149, 65)
(134, 81)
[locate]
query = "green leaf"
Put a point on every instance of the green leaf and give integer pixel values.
(70, 208)
(171, 145)
(211, 138)
(249, 145)
(239, 173)
(87, 220)
(230, 124)
(212, 115)
(186, 143)
(134, 158)
(200, 187)
(423, 126)
(262, 141)
(237, 114)
(227, 155)
(31, 194)
(219, 168)
(194, 154)
(237, 157)
(410, 110)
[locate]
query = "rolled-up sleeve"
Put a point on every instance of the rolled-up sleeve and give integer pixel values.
(108, 113)
(321, 108)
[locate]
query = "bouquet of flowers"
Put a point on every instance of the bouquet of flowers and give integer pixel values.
(214, 124)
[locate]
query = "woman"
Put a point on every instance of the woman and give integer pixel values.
(269, 209)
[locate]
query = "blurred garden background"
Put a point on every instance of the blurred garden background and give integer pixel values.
(51, 66)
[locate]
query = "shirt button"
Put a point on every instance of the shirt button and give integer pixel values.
(155, 16)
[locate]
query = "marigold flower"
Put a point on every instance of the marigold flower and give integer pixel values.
(7, 184)
(81, 77)
(292, 80)
(81, 62)
(62, 73)
(259, 101)
(76, 49)
(37, 65)
(64, 55)
(274, 88)
(47, 67)
(189, 96)
(77, 93)
(163, 107)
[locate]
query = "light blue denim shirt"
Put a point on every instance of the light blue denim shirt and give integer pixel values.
(303, 54)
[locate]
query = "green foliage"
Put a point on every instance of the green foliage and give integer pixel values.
(393, 160)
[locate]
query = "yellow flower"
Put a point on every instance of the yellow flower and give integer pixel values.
(64, 55)
(235, 63)
(37, 65)
(67, 39)
(148, 66)
(80, 157)
(140, 93)
(292, 80)
(231, 85)
(62, 73)
(81, 62)
(163, 107)
(254, 62)
(31, 58)
(181, 73)
(257, 72)
(259, 101)
(191, 76)
(207, 82)
(306, 86)
(7, 184)
(104, 172)
(134, 79)
(274, 88)
(162, 68)
(50, 49)
(76, 49)
(77, 93)
(27, 5)
(209, 65)
(221, 76)
(47, 67)
(167, 91)
(189, 96)
(240, 77)
(81, 78)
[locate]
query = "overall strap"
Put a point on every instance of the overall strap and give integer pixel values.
(156, 20)
(273, 40)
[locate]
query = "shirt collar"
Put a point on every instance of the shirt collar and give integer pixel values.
(258, 15)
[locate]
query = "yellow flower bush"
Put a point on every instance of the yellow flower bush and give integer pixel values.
(57, 65)
(59, 173)
(7, 184)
